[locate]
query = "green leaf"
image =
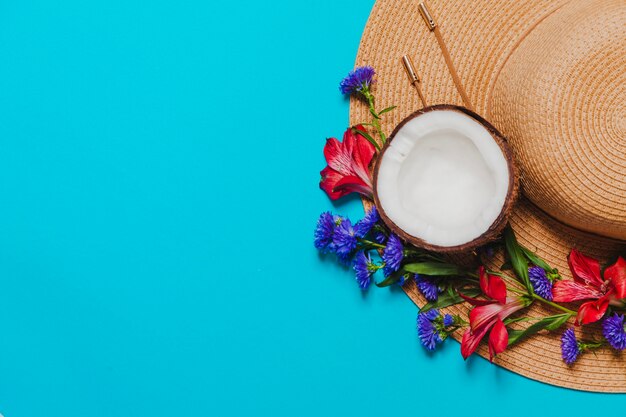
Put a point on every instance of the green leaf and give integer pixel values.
(548, 323)
(450, 297)
(536, 260)
(517, 258)
(374, 114)
(516, 320)
(433, 269)
(367, 136)
(391, 279)
(388, 109)
(506, 266)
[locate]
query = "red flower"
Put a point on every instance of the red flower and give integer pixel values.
(489, 315)
(348, 163)
(588, 284)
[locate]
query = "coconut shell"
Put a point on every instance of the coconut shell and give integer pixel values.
(494, 231)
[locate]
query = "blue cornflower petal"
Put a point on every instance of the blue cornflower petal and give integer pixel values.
(344, 258)
(379, 237)
(541, 284)
(431, 314)
(448, 320)
(357, 80)
(364, 268)
(324, 231)
(570, 348)
(363, 226)
(614, 331)
(392, 255)
(427, 287)
(426, 330)
(344, 241)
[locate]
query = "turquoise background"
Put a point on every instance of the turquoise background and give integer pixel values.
(158, 177)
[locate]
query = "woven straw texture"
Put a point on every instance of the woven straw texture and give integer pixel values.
(564, 113)
(485, 38)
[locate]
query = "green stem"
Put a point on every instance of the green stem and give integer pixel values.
(526, 319)
(376, 122)
(552, 304)
(423, 255)
(372, 244)
(522, 319)
(584, 345)
(517, 291)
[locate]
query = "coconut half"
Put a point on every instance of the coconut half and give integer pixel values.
(445, 181)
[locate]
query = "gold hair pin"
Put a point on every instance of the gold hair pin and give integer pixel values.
(413, 77)
(433, 27)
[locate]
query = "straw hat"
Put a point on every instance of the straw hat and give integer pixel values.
(551, 76)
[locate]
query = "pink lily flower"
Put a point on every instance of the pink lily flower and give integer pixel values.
(489, 315)
(590, 284)
(348, 165)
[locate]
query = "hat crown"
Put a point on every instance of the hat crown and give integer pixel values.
(560, 99)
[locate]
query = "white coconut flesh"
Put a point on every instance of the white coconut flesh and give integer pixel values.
(443, 178)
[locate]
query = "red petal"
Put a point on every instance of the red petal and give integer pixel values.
(352, 184)
(484, 316)
(483, 281)
(585, 268)
(362, 154)
(349, 140)
(617, 274)
(498, 339)
(475, 301)
(493, 286)
(329, 180)
(339, 155)
(470, 341)
(592, 311)
(568, 290)
(497, 289)
(512, 305)
(332, 149)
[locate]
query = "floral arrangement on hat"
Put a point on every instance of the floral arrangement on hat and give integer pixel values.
(498, 300)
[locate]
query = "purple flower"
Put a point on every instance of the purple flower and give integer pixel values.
(358, 80)
(392, 255)
(364, 268)
(448, 320)
(614, 331)
(427, 329)
(363, 226)
(541, 284)
(324, 231)
(379, 237)
(427, 287)
(570, 348)
(344, 240)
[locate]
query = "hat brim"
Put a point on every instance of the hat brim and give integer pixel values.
(485, 34)
(539, 357)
